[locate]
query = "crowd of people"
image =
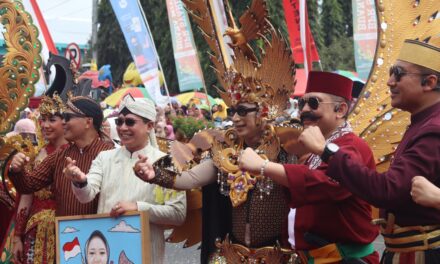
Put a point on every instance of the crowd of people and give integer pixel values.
(260, 204)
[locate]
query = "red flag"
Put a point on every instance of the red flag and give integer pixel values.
(71, 249)
(292, 15)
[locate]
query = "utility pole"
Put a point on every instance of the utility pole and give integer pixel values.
(95, 30)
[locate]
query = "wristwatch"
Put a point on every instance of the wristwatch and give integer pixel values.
(80, 184)
(329, 150)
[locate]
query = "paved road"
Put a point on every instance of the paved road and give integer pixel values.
(175, 254)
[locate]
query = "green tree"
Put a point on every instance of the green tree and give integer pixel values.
(335, 23)
(315, 26)
(330, 22)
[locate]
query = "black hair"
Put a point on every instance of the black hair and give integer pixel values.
(426, 72)
(100, 235)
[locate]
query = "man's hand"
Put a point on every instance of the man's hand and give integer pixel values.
(122, 207)
(73, 173)
(17, 249)
(313, 140)
(144, 169)
(250, 161)
(425, 192)
(18, 162)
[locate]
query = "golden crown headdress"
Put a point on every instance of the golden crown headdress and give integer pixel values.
(268, 82)
(51, 105)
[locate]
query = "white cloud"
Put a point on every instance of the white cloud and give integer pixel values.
(124, 227)
(70, 230)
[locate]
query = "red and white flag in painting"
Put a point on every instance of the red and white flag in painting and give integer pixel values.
(71, 249)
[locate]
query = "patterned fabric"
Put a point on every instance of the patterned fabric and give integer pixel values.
(41, 230)
(315, 160)
(416, 257)
(50, 171)
(267, 218)
(36, 224)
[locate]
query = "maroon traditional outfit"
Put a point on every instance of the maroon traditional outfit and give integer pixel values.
(327, 210)
(417, 154)
(329, 219)
(411, 232)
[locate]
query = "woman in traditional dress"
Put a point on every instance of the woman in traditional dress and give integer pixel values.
(34, 235)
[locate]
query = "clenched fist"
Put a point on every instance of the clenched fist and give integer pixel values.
(313, 140)
(18, 162)
(425, 192)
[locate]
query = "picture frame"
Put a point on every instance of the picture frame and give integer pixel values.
(125, 239)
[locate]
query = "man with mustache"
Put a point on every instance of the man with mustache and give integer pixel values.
(412, 231)
(329, 223)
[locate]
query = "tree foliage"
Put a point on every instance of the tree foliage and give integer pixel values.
(330, 22)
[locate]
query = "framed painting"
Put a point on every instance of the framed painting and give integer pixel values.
(102, 239)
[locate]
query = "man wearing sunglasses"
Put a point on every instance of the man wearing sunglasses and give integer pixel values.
(111, 175)
(82, 123)
(411, 232)
(328, 221)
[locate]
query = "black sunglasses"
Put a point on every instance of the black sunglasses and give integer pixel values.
(241, 110)
(398, 73)
(68, 116)
(313, 102)
(128, 122)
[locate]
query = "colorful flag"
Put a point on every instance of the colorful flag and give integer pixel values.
(301, 40)
(364, 35)
(140, 43)
(189, 72)
(71, 249)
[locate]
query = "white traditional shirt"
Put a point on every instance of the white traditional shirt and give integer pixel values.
(112, 176)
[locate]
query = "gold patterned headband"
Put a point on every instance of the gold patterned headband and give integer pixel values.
(421, 53)
(51, 105)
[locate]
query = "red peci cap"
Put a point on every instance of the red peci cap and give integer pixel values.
(330, 83)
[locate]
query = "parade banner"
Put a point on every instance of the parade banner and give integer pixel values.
(364, 35)
(221, 24)
(189, 72)
(139, 41)
(298, 42)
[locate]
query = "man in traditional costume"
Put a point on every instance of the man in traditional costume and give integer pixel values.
(111, 175)
(330, 224)
(411, 231)
(255, 215)
(82, 123)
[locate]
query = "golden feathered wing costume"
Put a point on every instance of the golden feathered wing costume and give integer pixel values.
(373, 117)
(267, 81)
(18, 75)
